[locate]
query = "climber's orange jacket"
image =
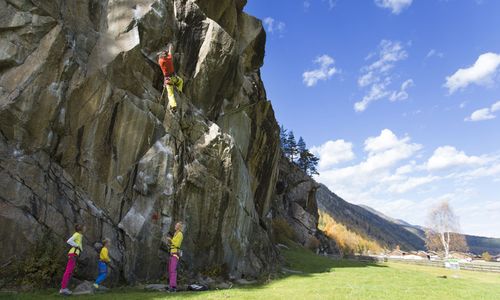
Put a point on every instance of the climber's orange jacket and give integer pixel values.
(167, 65)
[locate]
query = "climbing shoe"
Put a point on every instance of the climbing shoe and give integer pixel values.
(66, 292)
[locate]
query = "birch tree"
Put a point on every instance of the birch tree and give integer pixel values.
(443, 230)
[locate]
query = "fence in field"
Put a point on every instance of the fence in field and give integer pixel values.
(472, 266)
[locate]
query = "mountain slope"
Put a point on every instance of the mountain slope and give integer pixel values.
(366, 223)
(476, 244)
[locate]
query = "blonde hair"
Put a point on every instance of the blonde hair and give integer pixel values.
(181, 224)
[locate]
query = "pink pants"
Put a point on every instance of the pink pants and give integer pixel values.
(172, 271)
(70, 267)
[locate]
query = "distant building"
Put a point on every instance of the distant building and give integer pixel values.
(397, 253)
(462, 257)
(413, 256)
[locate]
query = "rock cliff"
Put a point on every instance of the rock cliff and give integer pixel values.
(297, 203)
(84, 137)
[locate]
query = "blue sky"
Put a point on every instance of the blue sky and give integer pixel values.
(400, 99)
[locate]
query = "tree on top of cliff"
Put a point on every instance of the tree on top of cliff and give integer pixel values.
(290, 147)
(297, 152)
(283, 136)
(301, 145)
(307, 162)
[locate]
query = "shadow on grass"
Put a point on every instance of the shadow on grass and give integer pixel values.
(299, 261)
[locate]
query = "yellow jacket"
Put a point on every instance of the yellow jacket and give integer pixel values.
(176, 242)
(104, 256)
(76, 242)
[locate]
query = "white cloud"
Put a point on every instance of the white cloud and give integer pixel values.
(366, 79)
(331, 3)
(386, 149)
(495, 107)
(445, 157)
(325, 71)
(389, 53)
(396, 6)
(488, 170)
(273, 26)
(396, 178)
(333, 152)
(482, 72)
(434, 52)
(377, 91)
(411, 183)
(481, 115)
(383, 152)
(402, 94)
(377, 76)
(484, 113)
(384, 141)
(405, 169)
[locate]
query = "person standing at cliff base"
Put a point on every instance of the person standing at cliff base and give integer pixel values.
(175, 254)
(103, 263)
(76, 242)
(171, 80)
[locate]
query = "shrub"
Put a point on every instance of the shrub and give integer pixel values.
(41, 266)
(487, 256)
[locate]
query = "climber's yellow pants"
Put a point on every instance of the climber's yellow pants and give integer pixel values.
(173, 82)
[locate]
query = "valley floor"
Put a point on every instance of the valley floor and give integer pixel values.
(323, 278)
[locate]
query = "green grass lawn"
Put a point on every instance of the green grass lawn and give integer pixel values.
(324, 278)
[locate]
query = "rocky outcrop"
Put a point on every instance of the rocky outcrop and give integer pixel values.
(296, 202)
(84, 137)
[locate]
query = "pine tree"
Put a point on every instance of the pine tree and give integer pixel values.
(291, 146)
(302, 158)
(307, 162)
(283, 136)
(301, 145)
(297, 152)
(312, 164)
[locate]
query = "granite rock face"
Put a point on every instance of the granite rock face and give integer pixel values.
(297, 203)
(84, 137)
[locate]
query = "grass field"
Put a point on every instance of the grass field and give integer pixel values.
(324, 278)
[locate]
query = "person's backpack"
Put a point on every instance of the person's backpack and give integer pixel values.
(197, 287)
(98, 246)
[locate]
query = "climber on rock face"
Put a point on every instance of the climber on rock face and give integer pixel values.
(171, 81)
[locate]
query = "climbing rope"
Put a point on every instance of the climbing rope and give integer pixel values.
(241, 108)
